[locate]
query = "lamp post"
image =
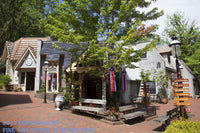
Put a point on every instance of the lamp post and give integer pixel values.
(175, 44)
(46, 63)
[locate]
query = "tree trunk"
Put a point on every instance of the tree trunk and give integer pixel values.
(104, 91)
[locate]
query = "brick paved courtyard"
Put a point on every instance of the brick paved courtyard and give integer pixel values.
(21, 111)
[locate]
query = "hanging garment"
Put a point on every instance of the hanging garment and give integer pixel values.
(112, 80)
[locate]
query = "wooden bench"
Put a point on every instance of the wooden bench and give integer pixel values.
(125, 114)
(165, 119)
(90, 109)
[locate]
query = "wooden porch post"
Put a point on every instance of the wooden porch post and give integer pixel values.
(80, 87)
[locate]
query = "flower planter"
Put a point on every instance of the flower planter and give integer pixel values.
(59, 100)
(112, 118)
(164, 100)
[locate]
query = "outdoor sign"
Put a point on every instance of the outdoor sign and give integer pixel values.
(181, 94)
(180, 85)
(142, 86)
(180, 80)
(146, 91)
(181, 89)
(182, 99)
(182, 103)
(144, 94)
(145, 88)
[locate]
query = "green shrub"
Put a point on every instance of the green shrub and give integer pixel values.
(183, 126)
(40, 90)
(4, 80)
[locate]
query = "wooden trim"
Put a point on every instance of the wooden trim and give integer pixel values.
(182, 103)
(128, 107)
(182, 99)
(94, 101)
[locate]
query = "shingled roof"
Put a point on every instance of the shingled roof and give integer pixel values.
(164, 49)
(54, 54)
(23, 43)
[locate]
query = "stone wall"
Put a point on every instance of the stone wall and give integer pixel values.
(49, 96)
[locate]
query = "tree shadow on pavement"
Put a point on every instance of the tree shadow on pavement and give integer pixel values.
(10, 99)
(158, 129)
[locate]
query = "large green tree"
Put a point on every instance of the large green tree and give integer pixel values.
(189, 34)
(112, 27)
(21, 18)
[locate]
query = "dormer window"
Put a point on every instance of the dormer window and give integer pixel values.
(144, 55)
(158, 65)
(168, 58)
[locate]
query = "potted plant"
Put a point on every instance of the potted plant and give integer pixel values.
(112, 114)
(162, 81)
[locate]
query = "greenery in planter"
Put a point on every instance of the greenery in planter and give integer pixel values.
(70, 89)
(2, 68)
(4, 81)
(162, 81)
(183, 126)
(42, 88)
(18, 89)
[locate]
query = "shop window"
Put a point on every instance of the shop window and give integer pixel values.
(22, 78)
(152, 87)
(168, 58)
(52, 80)
(158, 65)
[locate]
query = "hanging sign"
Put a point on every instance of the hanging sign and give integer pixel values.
(181, 89)
(180, 85)
(181, 94)
(180, 80)
(182, 99)
(182, 103)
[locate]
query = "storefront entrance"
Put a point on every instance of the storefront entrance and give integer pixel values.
(92, 87)
(30, 81)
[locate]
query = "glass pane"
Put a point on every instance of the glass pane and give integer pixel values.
(52, 80)
(152, 87)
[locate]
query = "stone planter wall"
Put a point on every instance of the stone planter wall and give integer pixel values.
(49, 96)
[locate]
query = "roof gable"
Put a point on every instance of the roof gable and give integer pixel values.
(163, 49)
(27, 60)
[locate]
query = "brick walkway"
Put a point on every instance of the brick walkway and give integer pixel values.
(25, 113)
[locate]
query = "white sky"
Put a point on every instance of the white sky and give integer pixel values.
(191, 9)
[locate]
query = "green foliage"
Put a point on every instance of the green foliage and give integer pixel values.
(188, 34)
(183, 126)
(4, 80)
(70, 89)
(2, 68)
(21, 18)
(145, 75)
(162, 81)
(42, 88)
(112, 28)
